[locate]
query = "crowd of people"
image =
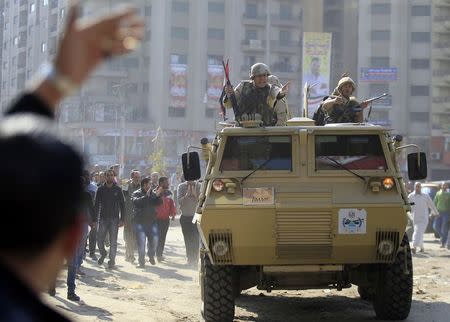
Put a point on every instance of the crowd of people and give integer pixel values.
(144, 207)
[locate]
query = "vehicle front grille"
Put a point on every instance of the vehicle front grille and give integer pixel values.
(227, 237)
(303, 234)
(392, 236)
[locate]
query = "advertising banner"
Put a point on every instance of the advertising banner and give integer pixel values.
(316, 67)
(215, 85)
(178, 85)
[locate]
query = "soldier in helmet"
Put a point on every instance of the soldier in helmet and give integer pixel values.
(280, 106)
(256, 96)
(341, 106)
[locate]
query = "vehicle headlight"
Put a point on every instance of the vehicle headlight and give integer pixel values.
(388, 183)
(220, 248)
(218, 185)
(386, 247)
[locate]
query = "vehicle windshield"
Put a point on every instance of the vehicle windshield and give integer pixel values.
(355, 152)
(250, 152)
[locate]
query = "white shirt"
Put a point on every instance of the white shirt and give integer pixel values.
(422, 202)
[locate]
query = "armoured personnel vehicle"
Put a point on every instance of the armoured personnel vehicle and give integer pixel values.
(304, 207)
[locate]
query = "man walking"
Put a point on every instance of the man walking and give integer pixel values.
(110, 209)
(420, 213)
(442, 202)
(188, 193)
(128, 231)
(164, 212)
(144, 219)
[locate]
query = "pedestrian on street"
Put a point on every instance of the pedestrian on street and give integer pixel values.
(164, 213)
(128, 231)
(188, 193)
(144, 220)
(422, 203)
(440, 224)
(110, 209)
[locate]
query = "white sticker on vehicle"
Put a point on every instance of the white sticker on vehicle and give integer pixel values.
(352, 221)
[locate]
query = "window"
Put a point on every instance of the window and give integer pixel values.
(16, 41)
(381, 9)
(178, 6)
(285, 11)
(285, 37)
(419, 116)
(177, 112)
(251, 34)
(354, 152)
(146, 87)
(376, 89)
(180, 33)
(420, 90)
(251, 10)
(178, 59)
(420, 11)
(43, 47)
(381, 35)
(105, 145)
(244, 153)
(420, 36)
(148, 11)
(32, 7)
(216, 33)
(216, 7)
(215, 60)
(131, 62)
(420, 63)
(249, 61)
(379, 62)
(45, 2)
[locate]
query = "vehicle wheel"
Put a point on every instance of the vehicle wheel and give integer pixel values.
(217, 291)
(366, 293)
(393, 295)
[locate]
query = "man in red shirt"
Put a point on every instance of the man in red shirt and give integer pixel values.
(164, 212)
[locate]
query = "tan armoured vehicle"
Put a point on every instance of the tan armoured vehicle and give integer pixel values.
(304, 207)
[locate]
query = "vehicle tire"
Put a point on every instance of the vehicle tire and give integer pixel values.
(217, 291)
(366, 293)
(393, 295)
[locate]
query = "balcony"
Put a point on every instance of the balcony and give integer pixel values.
(442, 27)
(254, 20)
(281, 46)
(292, 21)
(253, 45)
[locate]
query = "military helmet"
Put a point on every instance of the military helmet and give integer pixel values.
(259, 69)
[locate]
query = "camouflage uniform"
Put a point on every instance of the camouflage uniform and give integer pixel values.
(253, 100)
(349, 112)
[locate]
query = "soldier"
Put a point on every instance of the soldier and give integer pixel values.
(128, 231)
(256, 96)
(341, 106)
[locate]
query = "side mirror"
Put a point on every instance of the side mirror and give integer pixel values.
(191, 169)
(417, 166)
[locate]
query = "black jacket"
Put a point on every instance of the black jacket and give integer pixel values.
(144, 206)
(109, 202)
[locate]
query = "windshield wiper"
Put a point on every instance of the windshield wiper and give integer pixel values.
(257, 168)
(345, 168)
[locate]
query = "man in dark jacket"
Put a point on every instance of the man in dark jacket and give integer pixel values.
(110, 209)
(144, 218)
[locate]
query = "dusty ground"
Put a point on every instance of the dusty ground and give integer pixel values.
(170, 292)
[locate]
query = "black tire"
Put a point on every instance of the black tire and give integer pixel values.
(393, 296)
(366, 293)
(217, 291)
